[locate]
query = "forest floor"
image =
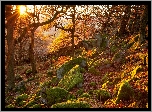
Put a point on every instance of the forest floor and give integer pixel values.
(108, 77)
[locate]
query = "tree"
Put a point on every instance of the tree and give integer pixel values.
(10, 18)
(143, 23)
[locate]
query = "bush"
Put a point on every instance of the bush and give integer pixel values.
(125, 92)
(102, 95)
(71, 104)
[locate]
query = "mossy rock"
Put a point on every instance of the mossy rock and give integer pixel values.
(21, 100)
(71, 104)
(102, 94)
(30, 104)
(55, 95)
(79, 92)
(54, 80)
(46, 84)
(71, 79)
(71, 97)
(10, 106)
(36, 106)
(65, 68)
(86, 95)
(125, 92)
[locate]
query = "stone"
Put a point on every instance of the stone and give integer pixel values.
(69, 65)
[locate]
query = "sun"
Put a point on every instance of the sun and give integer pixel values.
(22, 10)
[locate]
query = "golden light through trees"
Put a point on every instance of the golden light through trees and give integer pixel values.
(22, 10)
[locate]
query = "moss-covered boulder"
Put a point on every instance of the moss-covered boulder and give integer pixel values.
(125, 92)
(86, 95)
(21, 100)
(72, 78)
(55, 95)
(71, 104)
(102, 95)
(70, 64)
(10, 106)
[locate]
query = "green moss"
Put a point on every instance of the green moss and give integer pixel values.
(54, 80)
(94, 71)
(71, 104)
(30, 78)
(36, 106)
(104, 78)
(55, 95)
(114, 48)
(46, 84)
(20, 100)
(86, 95)
(71, 97)
(79, 92)
(49, 73)
(125, 92)
(102, 94)
(65, 68)
(28, 72)
(10, 106)
(71, 79)
(29, 104)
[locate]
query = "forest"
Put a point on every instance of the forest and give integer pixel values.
(76, 56)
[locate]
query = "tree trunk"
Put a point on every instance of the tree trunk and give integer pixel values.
(10, 58)
(10, 42)
(143, 22)
(31, 54)
(124, 21)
